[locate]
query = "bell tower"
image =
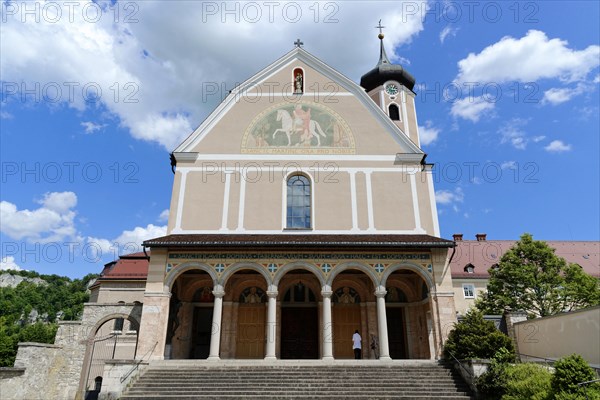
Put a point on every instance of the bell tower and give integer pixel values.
(390, 86)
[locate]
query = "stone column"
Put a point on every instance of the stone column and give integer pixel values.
(326, 292)
(271, 323)
(384, 348)
(215, 336)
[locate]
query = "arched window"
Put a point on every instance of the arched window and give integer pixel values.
(298, 202)
(98, 384)
(394, 112)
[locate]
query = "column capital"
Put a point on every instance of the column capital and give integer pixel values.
(272, 294)
(326, 291)
(380, 292)
(218, 291)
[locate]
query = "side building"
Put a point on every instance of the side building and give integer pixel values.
(473, 259)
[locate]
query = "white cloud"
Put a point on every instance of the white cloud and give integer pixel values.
(471, 108)
(447, 197)
(512, 132)
(557, 146)
(164, 215)
(447, 31)
(54, 221)
(528, 59)
(509, 165)
(128, 241)
(157, 86)
(60, 202)
(557, 96)
(5, 115)
(428, 134)
(537, 139)
(91, 127)
(7, 263)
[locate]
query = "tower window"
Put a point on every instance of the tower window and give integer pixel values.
(298, 202)
(394, 112)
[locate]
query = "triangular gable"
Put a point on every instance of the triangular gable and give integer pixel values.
(298, 54)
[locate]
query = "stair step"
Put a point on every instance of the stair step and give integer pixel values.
(188, 380)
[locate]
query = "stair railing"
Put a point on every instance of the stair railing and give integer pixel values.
(550, 361)
(585, 385)
(137, 364)
(462, 366)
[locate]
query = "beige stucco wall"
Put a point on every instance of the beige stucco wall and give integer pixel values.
(392, 201)
(207, 195)
(259, 196)
(463, 304)
(562, 335)
(114, 292)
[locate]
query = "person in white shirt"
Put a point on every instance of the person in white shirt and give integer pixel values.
(356, 345)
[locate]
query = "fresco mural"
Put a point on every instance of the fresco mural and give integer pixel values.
(298, 128)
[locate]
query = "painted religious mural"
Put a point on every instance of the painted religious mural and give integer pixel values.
(298, 128)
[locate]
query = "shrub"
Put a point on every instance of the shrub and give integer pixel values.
(569, 371)
(527, 381)
(474, 337)
(492, 384)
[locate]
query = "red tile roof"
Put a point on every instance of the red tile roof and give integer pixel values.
(128, 267)
(483, 254)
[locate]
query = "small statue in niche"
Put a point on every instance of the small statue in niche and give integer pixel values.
(252, 297)
(298, 83)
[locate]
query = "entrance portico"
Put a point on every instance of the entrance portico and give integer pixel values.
(274, 304)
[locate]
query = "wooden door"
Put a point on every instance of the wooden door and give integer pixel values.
(396, 332)
(299, 333)
(201, 332)
(250, 334)
(346, 320)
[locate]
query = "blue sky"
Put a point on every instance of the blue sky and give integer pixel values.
(96, 95)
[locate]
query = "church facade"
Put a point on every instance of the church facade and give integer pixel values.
(302, 210)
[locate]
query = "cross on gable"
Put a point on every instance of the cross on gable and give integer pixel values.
(299, 43)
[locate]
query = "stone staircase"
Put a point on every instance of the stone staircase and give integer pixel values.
(368, 379)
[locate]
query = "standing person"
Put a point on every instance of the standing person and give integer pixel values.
(356, 345)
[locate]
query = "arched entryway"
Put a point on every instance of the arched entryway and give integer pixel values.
(116, 338)
(244, 315)
(352, 291)
(190, 316)
(407, 314)
(299, 296)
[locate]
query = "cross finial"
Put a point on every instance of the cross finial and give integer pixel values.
(298, 43)
(380, 27)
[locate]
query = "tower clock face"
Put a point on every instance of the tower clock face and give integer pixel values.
(392, 89)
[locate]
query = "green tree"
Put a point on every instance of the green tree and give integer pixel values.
(474, 337)
(58, 294)
(530, 277)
